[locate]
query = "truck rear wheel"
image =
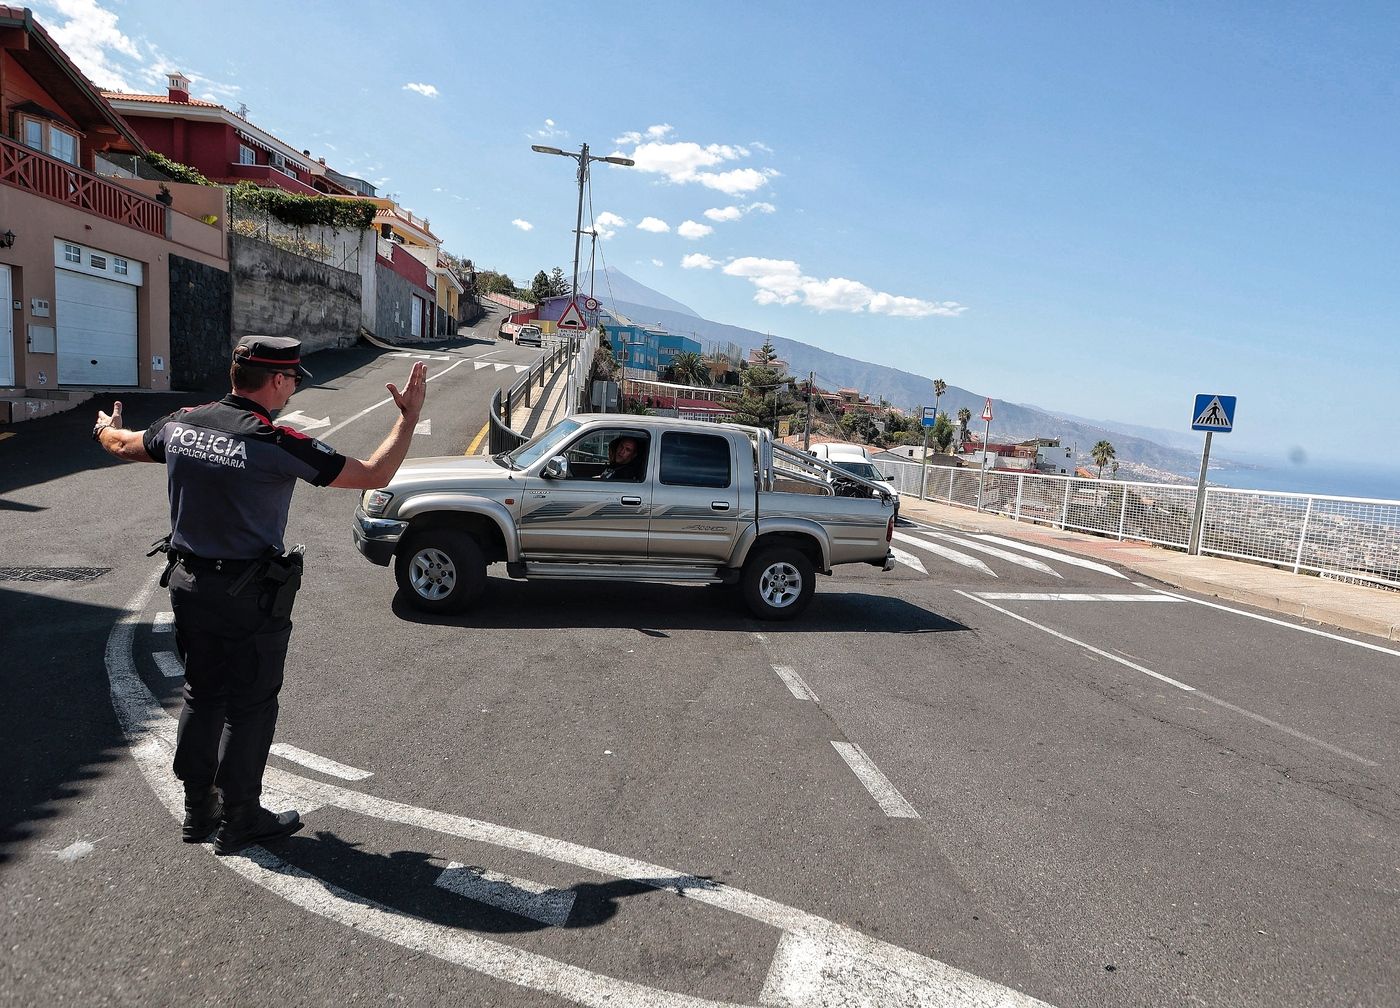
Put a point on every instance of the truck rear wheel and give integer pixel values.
(441, 570)
(778, 582)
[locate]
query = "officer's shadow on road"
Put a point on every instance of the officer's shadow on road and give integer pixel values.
(653, 608)
(405, 882)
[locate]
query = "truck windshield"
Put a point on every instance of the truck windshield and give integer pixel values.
(862, 469)
(541, 447)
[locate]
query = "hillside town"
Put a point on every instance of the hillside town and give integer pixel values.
(157, 228)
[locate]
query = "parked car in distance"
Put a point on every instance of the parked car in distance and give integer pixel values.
(530, 334)
(855, 460)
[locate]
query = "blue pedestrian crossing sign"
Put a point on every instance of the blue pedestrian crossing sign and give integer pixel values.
(1214, 413)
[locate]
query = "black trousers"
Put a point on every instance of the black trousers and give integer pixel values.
(234, 655)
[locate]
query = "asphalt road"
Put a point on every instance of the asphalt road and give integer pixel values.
(1093, 792)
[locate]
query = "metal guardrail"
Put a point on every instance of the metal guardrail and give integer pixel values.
(1356, 538)
(501, 435)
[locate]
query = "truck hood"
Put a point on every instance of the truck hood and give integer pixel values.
(454, 471)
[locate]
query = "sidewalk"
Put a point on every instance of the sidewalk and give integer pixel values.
(1332, 603)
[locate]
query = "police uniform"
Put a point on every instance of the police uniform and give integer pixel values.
(231, 473)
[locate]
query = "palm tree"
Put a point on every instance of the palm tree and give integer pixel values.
(939, 387)
(1102, 453)
(964, 418)
(689, 368)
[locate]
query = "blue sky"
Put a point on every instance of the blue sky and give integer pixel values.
(1102, 209)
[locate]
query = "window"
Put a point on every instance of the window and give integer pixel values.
(246, 155)
(63, 145)
(699, 460)
(601, 455)
(97, 262)
(119, 267)
(50, 138)
(72, 253)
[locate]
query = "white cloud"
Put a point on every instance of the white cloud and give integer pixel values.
(739, 180)
(654, 224)
(549, 132)
(426, 90)
(733, 213)
(652, 133)
(782, 282)
(698, 260)
(523, 225)
(93, 41)
(657, 263)
(608, 223)
(692, 230)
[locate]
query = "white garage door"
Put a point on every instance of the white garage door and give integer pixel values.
(96, 320)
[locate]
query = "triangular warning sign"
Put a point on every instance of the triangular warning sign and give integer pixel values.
(1213, 416)
(987, 410)
(572, 318)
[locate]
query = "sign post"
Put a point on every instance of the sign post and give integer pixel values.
(1211, 413)
(930, 418)
(569, 323)
(986, 445)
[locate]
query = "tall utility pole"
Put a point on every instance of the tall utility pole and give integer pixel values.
(583, 158)
(811, 391)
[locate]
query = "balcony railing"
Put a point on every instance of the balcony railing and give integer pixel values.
(59, 181)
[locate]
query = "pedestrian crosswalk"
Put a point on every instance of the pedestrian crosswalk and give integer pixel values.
(925, 545)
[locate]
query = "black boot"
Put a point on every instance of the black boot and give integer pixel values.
(203, 810)
(249, 823)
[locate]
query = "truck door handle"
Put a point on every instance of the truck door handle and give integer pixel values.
(631, 500)
(719, 505)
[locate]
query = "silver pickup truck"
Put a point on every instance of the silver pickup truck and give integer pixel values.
(689, 502)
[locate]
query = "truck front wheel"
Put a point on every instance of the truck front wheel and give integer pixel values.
(778, 582)
(442, 570)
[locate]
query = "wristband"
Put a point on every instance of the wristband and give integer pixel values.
(97, 431)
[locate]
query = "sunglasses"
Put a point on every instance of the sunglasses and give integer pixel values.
(296, 376)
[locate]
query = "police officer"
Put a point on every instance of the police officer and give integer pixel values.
(231, 473)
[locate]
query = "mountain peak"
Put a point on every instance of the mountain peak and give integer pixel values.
(612, 285)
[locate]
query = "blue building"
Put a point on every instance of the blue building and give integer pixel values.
(671, 344)
(636, 347)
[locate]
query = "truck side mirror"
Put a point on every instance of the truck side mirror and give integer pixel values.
(556, 468)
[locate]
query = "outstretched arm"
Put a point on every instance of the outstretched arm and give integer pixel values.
(117, 440)
(379, 468)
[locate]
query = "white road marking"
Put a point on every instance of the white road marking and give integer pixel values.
(303, 422)
(796, 685)
(1276, 622)
(908, 559)
(1079, 643)
(169, 664)
(423, 427)
(318, 763)
(420, 356)
(875, 782)
(164, 622)
(1062, 557)
(875, 964)
(1285, 729)
(384, 402)
(478, 365)
(1070, 597)
(1020, 561)
(520, 896)
(946, 553)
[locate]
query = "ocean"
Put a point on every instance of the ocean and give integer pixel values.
(1381, 482)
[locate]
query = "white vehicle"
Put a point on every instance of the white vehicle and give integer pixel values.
(530, 334)
(854, 459)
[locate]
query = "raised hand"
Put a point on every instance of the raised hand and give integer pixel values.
(410, 400)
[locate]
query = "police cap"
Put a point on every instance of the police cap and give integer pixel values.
(272, 352)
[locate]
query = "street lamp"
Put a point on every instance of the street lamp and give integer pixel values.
(584, 159)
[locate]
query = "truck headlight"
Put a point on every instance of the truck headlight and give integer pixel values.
(376, 502)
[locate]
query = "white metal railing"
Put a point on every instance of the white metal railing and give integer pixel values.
(1352, 537)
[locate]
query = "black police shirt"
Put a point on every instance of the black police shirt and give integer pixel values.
(231, 473)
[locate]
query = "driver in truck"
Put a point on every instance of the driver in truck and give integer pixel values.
(625, 460)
